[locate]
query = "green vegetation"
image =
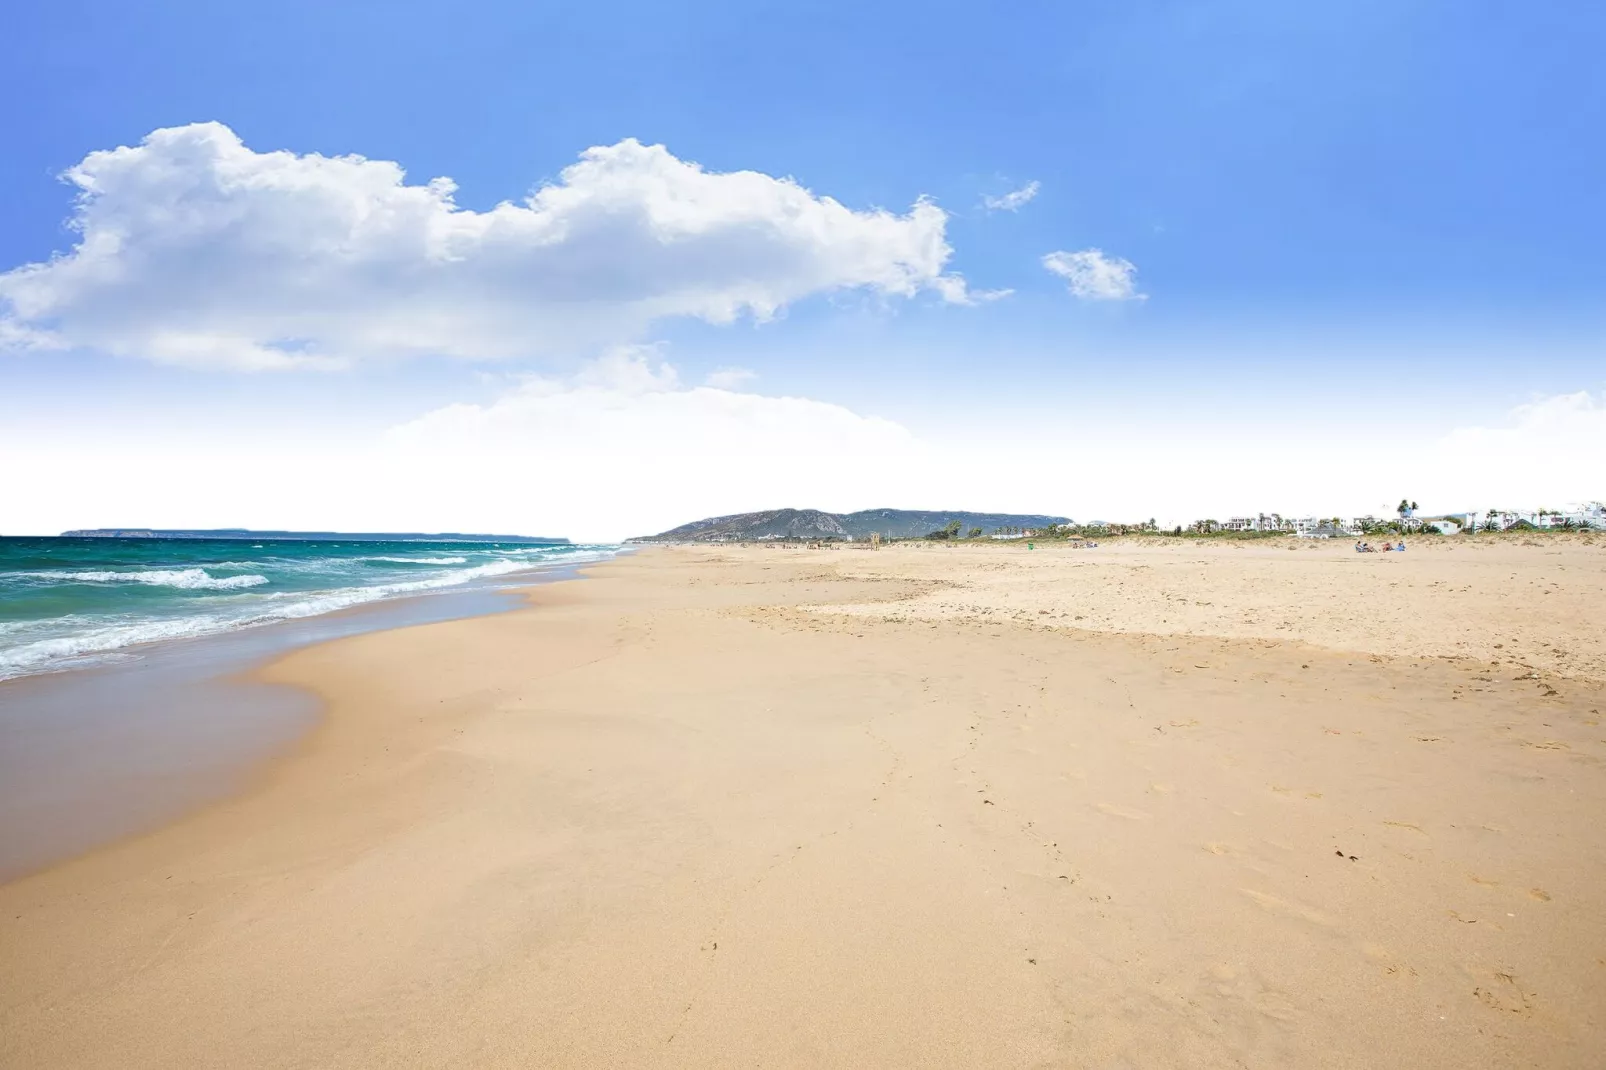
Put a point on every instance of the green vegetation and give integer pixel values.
(1404, 526)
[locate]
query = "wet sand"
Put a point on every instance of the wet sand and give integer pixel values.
(92, 755)
(1137, 806)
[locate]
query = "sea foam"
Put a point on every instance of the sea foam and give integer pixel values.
(94, 638)
(55, 616)
(193, 579)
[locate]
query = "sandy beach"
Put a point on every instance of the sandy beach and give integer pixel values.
(1155, 804)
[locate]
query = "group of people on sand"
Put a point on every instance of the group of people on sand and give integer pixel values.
(1368, 548)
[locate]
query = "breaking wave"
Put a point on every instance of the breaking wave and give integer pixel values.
(188, 579)
(65, 618)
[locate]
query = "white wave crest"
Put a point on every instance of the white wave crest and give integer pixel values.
(92, 638)
(193, 579)
(422, 560)
(68, 651)
(342, 597)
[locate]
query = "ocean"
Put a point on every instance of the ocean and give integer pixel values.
(67, 603)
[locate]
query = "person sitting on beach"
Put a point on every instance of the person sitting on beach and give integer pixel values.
(1401, 547)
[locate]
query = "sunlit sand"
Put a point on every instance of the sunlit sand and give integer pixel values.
(1175, 804)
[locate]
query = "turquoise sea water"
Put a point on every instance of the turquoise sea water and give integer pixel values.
(66, 603)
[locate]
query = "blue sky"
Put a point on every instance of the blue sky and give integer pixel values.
(1381, 218)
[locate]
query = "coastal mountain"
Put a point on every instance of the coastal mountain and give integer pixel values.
(817, 524)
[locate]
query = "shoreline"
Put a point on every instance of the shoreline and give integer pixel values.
(99, 753)
(687, 813)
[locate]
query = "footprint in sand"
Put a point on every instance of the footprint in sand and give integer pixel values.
(1246, 1002)
(1122, 811)
(1404, 825)
(1297, 911)
(1503, 992)
(1539, 894)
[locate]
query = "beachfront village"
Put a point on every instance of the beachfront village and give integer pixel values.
(1406, 521)
(1576, 517)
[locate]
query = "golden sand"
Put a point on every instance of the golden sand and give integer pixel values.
(1188, 805)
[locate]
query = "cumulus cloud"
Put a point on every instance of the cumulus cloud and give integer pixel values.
(1092, 276)
(729, 378)
(18, 337)
(624, 448)
(1544, 422)
(643, 452)
(1013, 200)
(195, 249)
(1548, 452)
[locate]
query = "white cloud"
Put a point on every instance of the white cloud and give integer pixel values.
(1548, 452)
(619, 447)
(1013, 200)
(623, 447)
(194, 249)
(729, 378)
(18, 337)
(1092, 276)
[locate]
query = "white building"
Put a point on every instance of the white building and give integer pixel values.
(1584, 515)
(1260, 522)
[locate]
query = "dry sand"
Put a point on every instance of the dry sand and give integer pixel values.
(1139, 806)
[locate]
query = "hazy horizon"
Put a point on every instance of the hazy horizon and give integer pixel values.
(610, 274)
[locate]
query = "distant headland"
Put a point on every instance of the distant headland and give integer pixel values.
(303, 536)
(814, 524)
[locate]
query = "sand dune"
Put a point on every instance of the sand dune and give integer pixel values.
(1142, 806)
